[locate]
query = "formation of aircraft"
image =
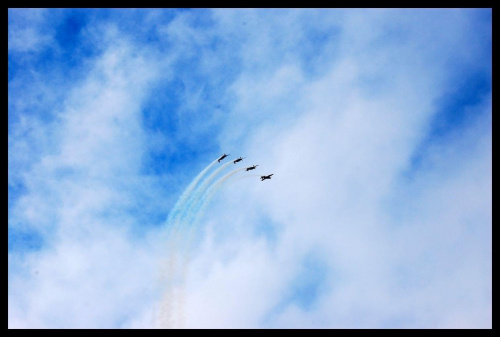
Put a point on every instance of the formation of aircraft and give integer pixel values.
(262, 178)
(222, 157)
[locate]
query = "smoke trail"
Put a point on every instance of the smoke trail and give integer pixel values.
(184, 217)
(166, 312)
(173, 298)
(188, 208)
(204, 201)
(181, 223)
(208, 195)
(175, 215)
(191, 206)
(185, 195)
(173, 295)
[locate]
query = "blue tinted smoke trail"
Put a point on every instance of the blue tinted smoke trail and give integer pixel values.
(191, 206)
(206, 197)
(201, 207)
(180, 204)
(181, 224)
(171, 309)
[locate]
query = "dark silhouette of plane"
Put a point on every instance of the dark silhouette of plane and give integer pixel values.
(222, 157)
(238, 160)
(252, 167)
(262, 178)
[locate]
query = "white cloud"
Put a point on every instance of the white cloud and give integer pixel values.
(421, 271)
(25, 33)
(81, 189)
(335, 169)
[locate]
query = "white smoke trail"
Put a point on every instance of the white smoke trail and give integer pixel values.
(181, 237)
(197, 214)
(208, 195)
(188, 209)
(172, 302)
(181, 223)
(166, 311)
(187, 192)
(191, 206)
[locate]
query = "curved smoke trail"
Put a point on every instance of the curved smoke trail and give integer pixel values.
(209, 194)
(187, 192)
(181, 223)
(193, 201)
(198, 213)
(187, 216)
(173, 295)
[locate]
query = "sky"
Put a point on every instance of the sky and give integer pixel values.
(375, 123)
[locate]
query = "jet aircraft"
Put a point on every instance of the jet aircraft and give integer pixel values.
(238, 160)
(262, 178)
(222, 157)
(252, 167)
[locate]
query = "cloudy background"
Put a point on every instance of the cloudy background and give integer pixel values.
(375, 123)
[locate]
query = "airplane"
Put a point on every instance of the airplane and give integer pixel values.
(262, 178)
(238, 160)
(222, 157)
(252, 167)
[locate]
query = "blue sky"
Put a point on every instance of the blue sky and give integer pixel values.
(376, 124)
